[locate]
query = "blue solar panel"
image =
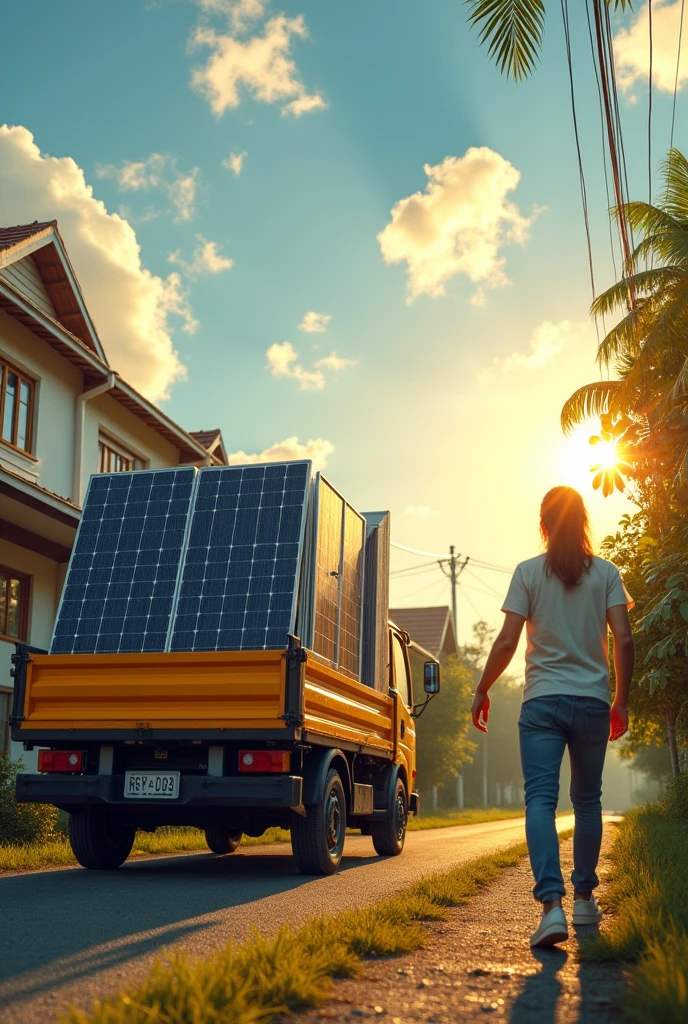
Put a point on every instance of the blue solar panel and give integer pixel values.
(240, 575)
(122, 576)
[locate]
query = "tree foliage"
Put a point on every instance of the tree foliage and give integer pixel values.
(21, 823)
(443, 728)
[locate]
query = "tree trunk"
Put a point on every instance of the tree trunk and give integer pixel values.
(671, 742)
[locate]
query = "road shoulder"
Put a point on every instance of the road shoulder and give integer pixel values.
(478, 961)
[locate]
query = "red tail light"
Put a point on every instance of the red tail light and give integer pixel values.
(264, 760)
(60, 760)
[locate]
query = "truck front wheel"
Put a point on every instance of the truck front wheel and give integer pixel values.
(221, 840)
(98, 840)
(389, 835)
(318, 839)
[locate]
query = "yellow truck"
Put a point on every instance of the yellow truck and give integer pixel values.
(232, 741)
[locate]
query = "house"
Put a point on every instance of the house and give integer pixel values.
(430, 628)
(64, 414)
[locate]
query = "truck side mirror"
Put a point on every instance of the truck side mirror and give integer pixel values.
(431, 677)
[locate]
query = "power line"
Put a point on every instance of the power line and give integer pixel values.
(649, 107)
(495, 592)
(415, 551)
(678, 62)
(444, 558)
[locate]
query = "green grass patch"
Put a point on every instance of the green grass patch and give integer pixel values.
(471, 816)
(263, 977)
(56, 852)
(648, 895)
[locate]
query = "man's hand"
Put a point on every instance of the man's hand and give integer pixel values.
(618, 722)
(480, 710)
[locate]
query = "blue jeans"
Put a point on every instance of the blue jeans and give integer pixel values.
(546, 726)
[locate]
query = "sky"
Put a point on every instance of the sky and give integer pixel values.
(334, 231)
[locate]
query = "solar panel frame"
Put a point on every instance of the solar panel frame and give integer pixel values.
(128, 558)
(197, 589)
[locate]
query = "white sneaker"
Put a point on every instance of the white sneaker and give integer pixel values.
(586, 912)
(552, 929)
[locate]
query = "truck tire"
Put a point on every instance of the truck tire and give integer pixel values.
(317, 840)
(389, 835)
(221, 840)
(98, 840)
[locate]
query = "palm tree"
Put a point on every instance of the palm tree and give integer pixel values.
(512, 30)
(648, 347)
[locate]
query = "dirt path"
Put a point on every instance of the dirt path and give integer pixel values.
(479, 962)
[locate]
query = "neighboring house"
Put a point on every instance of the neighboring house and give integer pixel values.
(431, 628)
(64, 414)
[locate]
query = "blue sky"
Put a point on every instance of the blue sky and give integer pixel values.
(437, 419)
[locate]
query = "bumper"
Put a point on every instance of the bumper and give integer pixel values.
(194, 791)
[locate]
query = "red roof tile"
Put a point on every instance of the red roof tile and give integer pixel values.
(205, 437)
(431, 628)
(10, 237)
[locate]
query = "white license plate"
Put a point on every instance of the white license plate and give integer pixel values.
(144, 785)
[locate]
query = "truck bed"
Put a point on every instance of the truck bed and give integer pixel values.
(199, 696)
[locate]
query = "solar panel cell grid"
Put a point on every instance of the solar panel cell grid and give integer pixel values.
(240, 574)
(122, 576)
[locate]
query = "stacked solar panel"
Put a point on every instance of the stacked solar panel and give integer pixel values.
(121, 583)
(240, 576)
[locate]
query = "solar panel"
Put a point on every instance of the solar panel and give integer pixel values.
(338, 582)
(122, 576)
(239, 583)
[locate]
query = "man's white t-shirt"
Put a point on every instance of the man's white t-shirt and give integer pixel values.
(566, 628)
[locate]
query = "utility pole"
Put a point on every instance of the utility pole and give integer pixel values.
(454, 569)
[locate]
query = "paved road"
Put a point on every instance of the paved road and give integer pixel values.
(70, 935)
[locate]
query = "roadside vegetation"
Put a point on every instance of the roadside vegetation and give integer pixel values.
(649, 895)
(264, 977)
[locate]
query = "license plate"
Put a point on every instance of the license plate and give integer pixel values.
(158, 785)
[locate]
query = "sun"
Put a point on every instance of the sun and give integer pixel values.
(605, 455)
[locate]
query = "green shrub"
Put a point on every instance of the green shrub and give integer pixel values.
(21, 823)
(676, 797)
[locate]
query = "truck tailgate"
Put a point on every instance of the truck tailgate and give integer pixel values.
(346, 710)
(199, 690)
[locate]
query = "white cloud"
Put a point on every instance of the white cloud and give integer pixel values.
(130, 306)
(260, 65)
(240, 12)
(206, 259)
(632, 51)
(158, 172)
(283, 362)
(235, 162)
(420, 511)
(334, 362)
(317, 450)
(546, 342)
(457, 225)
(315, 323)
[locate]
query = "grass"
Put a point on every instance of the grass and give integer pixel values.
(649, 930)
(264, 977)
(57, 852)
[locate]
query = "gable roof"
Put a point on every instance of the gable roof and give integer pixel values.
(42, 242)
(212, 441)
(431, 628)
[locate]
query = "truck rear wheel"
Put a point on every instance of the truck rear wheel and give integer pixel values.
(317, 840)
(389, 835)
(98, 840)
(222, 840)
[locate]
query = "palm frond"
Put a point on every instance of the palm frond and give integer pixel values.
(589, 401)
(512, 31)
(675, 172)
(645, 282)
(646, 218)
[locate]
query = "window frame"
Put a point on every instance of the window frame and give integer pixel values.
(6, 691)
(409, 685)
(6, 367)
(26, 580)
(118, 448)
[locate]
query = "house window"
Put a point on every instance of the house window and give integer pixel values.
(5, 705)
(16, 407)
(113, 457)
(14, 604)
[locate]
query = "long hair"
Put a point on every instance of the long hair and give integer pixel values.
(566, 531)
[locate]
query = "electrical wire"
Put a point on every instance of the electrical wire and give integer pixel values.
(444, 557)
(581, 173)
(415, 551)
(412, 568)
(678, 62)
(479, 614)
(482, 582)
(649, 107)
(421, 590)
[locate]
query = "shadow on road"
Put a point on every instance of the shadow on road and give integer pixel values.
(71, 923)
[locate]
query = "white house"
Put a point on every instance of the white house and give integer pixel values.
(64, 414)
